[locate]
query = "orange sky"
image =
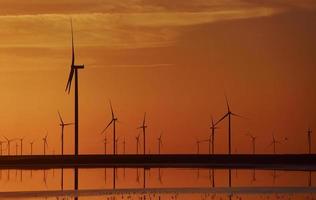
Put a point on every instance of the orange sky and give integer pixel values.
(174, 60)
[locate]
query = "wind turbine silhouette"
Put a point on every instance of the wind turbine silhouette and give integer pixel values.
(62, 125)
(21, 143)
(74, 71)
(143, 127)
(8, 143)
(1, 147)
(16, 148)
(137, 143)
(229, 114)
(105, 141)
(45, 143)
(253, 142)
(31, 144)
(274, 142)
(309, 138)
(213, 128)
(198, 146)
(113, 121)
(159, 143)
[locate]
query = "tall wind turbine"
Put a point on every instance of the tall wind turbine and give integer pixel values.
(9, 143)
(229, 114)
(137, 143)
(309, 138)
(74, 71)
(45, 144)
(159, 143)
(62, 125)
(113, 121)
(143, 127)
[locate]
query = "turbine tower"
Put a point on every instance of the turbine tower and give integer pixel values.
(21, 143)
(213, 128)
(74, 71)
(45, 144)
(137, 143)
(309, 138)
(113, 121)
(143, 127)
(31, 144)
(62, 125)
(159, 143)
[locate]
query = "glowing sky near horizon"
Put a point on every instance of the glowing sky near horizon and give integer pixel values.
(174, 60)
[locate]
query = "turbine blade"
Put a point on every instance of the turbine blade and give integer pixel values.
(67, 124)
(111, 109)
(237, 115)
(68, 86)
(60, 118)
(227, 104)
(221, 119)
(107, 126)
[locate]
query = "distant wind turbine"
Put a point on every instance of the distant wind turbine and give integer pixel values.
(309, 138)
(213, 128)
(1, 147)
(62, 125)
(16, 148)
(253, 142)
(274, 142)
(198, 146)
(159, 143)
(31, 144)
(143, 127)
(21, 143)
(105, 141)
(137, 143)
(74, 71)
(45, 143)
(116, 145)
(9, 143)
(113, 121)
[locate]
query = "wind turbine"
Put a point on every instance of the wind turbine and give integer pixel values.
(74, 71)
(1, 149)
(274, 142)
(143, 127)
(45, 143)
(16, 148)
(62, 125)
(8, 143)
(21, 143)
(113, 121)
(105, 141)
(159, 143)
(213, 128)
(137, 143)
(198, 146)
(31, 144)
(229, 114)
(253, 142)
(309, 138)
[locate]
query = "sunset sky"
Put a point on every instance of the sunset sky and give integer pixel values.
(175, 60)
